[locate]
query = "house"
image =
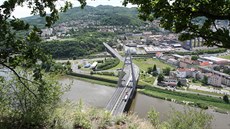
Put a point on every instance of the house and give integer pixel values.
(184, 72)
(213, 79)
(170, 82)
(159, 54)
(187, 63)
(225, 78)
(183, 81)
(173, 61)
(205, 63)
(216, 60)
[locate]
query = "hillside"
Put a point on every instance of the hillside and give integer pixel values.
(106, 15)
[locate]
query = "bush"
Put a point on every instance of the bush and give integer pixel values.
(33, 108)
(202, 105)
(109, 63)
(225, 98)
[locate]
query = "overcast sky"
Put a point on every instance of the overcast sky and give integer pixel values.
(24, 11)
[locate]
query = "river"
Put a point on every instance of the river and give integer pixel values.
(98, 96)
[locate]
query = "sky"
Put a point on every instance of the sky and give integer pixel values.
(20, 12)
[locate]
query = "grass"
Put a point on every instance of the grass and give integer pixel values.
(225, 57)
(147, 78)
(120, 65)
(178, 96)
(106, 77)
(95, 81)
(145, 63)
(205, 92)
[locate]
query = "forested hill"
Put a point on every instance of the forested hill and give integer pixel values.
(106, 15)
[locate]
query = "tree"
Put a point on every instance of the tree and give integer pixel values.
(160, 78)
(205, 80)
(19, 108)
(149, 70)
(193, 18)
(27, 100)
(154, 67)
(24, 49)
(194, 57)
(166, 71)
(225, 98)
(179, 84)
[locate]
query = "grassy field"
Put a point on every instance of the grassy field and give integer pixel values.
(94, 81)
(206, 92)
(145, 63)
(106, 77)
(179, 97)
(120, 65)
(225, 57)
(147, 78)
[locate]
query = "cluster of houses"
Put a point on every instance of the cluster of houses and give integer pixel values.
(66, 29)
(197, 69)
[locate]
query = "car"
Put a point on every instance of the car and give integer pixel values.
(126, 97)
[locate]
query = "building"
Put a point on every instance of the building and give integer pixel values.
(215, 60)
(159, 54)
(170, 82)
(93, 66)
(214, 80)
(225, 78)
(184, 72)
(187, 63)
(173, 61)
(151, 49)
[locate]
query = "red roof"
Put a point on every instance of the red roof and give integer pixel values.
(206, 63)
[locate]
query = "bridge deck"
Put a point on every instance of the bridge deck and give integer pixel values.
(125, 86)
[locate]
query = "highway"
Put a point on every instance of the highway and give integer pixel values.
(126, 84)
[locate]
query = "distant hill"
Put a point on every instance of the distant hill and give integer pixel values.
(106, 15)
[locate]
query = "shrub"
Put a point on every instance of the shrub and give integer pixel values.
(109, 63)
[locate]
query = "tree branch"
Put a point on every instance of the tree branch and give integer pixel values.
(19, 78)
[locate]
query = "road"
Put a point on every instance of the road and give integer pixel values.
(125, 86)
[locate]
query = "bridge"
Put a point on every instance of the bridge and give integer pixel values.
(126, 86)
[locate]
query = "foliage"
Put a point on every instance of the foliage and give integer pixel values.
(152, 70)
(149, 70)
(153, 116)
(190, 18)
(180, 97)
(82, 45)
(189, 119)
(71, 115)
(226, 70)
(225, 98)
(103, 15)
(109, 63)
(179, 84)
(28, 107)
(160, 78)
(194, 57)
(205, 80)
(186, 119)
(166, 71)
(27, 100)
(105, 73)
(93, 77)
(154, 67)
(201, 52)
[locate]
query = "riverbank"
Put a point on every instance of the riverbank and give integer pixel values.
(197, 100)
